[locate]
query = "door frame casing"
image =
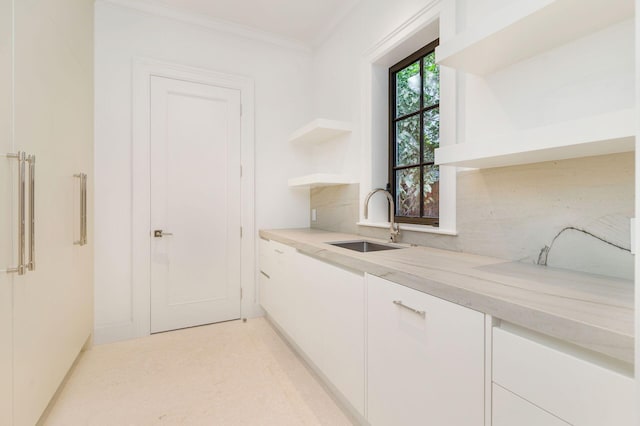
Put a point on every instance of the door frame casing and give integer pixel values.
(143, 70)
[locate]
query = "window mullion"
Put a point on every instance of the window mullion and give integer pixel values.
(404, 117)
(429, 108)
(407, 166)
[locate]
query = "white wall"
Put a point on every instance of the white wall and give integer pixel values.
(351, 79)
(294, 86)
(282, 86)
(589, 76)
(338, 73)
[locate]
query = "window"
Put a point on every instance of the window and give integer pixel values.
(414, 134)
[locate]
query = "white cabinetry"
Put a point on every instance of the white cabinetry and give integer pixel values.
(278, 292)
(424, 367)
(6, 216)
(402, 357)
(569, 383)
(46, 110)
(332, 323)
(509, 410)
(265, 269)
(321, 308)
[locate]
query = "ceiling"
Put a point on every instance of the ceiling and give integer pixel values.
(305, 21)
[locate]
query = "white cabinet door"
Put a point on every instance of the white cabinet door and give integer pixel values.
(422, 368)
(282, 292)
(265, 256)
(330, 330)
(510, 410)
(265, 271)
(7, 183)
(53, 120)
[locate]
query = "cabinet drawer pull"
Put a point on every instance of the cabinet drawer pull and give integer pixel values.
(278, 251)
(399, 303)
(265, 274)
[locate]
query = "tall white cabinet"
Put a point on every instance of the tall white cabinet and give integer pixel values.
(46, 110)
(6, 281)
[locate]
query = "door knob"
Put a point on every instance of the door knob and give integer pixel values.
(158, 233)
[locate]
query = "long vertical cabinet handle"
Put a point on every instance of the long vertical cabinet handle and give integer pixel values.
(21, 268)
(83, 209)
(31, 160)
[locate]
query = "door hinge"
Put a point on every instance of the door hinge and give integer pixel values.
(241, 232)
(240, 110)
(241, 170)
(240, 293)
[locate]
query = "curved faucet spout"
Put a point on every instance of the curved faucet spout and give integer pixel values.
(394, 228)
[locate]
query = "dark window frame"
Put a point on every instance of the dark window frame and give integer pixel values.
(391, 186)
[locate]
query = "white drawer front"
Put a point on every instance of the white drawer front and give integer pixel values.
(424, 367)
(571, 388)
(511, 410)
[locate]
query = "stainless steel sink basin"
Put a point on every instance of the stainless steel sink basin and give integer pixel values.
(363, 246)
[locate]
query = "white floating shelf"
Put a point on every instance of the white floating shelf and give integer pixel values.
(320, 130)
(525, 29)
(599, 135)
(319, 179)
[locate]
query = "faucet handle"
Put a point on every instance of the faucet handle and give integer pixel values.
(394, 232)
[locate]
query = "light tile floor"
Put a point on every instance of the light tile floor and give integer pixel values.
(231, 373)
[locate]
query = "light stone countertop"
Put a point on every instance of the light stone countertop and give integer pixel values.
(591, 311)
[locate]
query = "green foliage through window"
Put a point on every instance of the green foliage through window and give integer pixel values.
(415, 123)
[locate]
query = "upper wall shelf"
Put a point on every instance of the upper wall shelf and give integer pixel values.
(603, 134)
(319, 179)
(525, 29)
(320, 130)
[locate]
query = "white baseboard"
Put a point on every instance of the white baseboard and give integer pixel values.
(114, 333)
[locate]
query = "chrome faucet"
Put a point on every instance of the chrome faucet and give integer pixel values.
(394, 228)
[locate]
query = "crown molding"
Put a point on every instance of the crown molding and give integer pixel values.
(409, 27)
(155, 8)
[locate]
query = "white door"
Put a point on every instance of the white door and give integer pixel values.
(195, 203)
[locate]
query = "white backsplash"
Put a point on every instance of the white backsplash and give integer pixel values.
(336, 208)
(515, 212)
